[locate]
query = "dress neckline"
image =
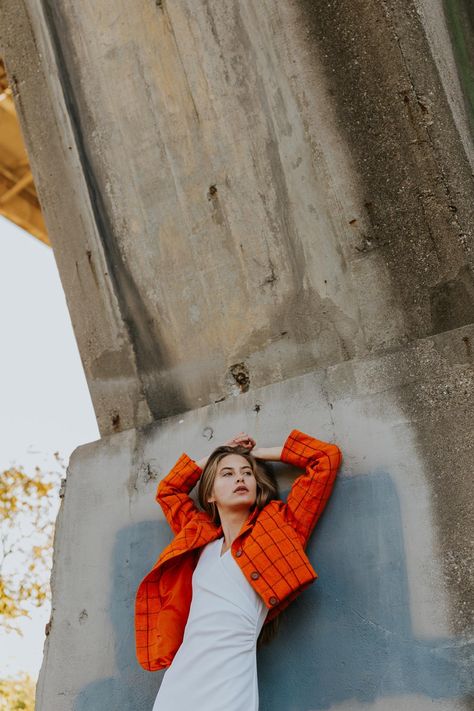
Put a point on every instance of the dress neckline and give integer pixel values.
(221, 543)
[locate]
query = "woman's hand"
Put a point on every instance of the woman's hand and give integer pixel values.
(241, 440)
(271, 454)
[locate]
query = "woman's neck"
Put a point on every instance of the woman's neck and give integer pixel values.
(232, 522)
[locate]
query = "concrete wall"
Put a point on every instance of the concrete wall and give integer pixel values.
(298, 168)
(460, 22)
(262, 217)
(380, 629)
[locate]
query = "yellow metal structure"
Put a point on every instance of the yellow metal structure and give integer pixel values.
(18, 198)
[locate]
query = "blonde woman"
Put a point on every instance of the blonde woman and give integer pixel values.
(233, 565)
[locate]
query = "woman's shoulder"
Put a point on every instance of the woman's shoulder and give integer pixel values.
(272, 508)
(271, 518)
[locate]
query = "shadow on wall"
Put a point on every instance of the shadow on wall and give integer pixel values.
(348, 636)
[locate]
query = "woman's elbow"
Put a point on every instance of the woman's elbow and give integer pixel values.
(160, 491)
(335, 456)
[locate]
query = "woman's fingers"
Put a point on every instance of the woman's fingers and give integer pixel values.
(242, 439)
(247, 441)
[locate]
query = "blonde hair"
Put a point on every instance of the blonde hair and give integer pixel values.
(267, 489)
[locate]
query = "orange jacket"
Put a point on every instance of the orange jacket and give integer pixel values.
(269, 547)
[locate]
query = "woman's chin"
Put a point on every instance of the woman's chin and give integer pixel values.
(242, 504)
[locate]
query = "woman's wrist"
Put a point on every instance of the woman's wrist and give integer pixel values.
(269, 454)
(202, 462)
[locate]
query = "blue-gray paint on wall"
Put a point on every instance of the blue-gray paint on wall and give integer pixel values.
(349, 636)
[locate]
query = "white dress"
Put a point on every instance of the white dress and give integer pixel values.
(215, 668)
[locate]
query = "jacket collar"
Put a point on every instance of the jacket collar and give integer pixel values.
(205, 532)
(248, 524)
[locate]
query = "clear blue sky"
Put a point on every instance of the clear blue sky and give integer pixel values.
(46, 405)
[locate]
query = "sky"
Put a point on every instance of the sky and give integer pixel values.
(45, 401)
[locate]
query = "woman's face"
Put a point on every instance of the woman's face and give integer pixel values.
(235, 486)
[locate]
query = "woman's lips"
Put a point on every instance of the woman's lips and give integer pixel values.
(240, 489)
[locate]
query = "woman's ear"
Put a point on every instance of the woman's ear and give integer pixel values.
(211, 499)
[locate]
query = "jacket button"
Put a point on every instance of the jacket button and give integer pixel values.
(238, 552)
(255, 575)
(273, 600)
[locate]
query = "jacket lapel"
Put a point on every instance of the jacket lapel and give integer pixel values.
(198, 532)
(248, 524)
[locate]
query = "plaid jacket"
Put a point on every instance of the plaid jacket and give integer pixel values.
(269, 548)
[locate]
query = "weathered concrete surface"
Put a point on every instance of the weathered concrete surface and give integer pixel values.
(262, 218)
(309, 147)
(460, 21)
(379, 629)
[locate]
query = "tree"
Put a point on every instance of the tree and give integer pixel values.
(28, 507)
(18, 693)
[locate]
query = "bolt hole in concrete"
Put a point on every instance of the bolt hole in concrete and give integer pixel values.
(115, 418)
(467, 345)
(241, 375)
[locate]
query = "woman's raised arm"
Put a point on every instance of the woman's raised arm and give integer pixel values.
(310, 491)
(173, 492)
(268, 454)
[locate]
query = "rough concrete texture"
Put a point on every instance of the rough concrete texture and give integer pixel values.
(309, 147)
(262, 213)
(374, 631)
(460, 22)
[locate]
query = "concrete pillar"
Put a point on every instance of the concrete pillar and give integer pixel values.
(261, 215)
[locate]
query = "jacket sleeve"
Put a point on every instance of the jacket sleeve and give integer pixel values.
(310, 491)
(172, 493)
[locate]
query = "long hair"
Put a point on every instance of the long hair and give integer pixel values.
(267, 490)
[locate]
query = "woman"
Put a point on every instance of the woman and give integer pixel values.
(231, 568)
